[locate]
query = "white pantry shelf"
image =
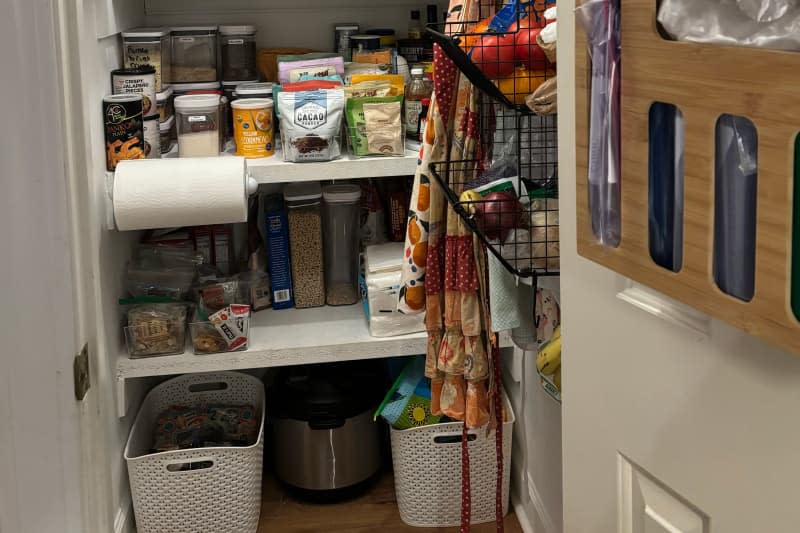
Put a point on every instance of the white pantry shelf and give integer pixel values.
(275, 170)
(284, 338)
(287, 337)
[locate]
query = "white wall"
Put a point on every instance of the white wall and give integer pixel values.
(712, 416)
(297, 23)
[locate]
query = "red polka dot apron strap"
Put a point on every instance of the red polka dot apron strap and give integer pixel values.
(466, 492)
(498, 437)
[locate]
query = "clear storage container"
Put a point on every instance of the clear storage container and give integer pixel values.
(165, 132)
(253, 90)
(148, 46)
(164, 104)
(341, 241)
(179, 89)
(303, 201)
(194, 54)
(198, 120)
(238, 52)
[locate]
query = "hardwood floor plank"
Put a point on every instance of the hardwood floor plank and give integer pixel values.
(375, 511)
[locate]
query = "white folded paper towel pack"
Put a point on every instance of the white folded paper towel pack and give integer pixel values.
(166, 193)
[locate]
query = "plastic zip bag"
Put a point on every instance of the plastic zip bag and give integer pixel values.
(773, 24)
(735, 206)
(600, 20)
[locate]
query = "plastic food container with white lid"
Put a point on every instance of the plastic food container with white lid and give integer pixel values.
(148, 46)
(198, 121)
(305, 242)
(194, 54)
(183, 88)
(341, 213)
(238, 52)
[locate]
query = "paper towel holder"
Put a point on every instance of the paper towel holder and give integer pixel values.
(251, 188)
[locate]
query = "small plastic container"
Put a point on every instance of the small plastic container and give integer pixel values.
(179, 89)
(207, 340)
(156, 329)
(165, 133)
(198, 122)
(341, 213)
(238, 52)
(148, 46)
(164, 104)
(303, 201)
(194, 54)
(229, 88)
(254, 90)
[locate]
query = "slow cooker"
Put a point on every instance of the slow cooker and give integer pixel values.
(324, 436)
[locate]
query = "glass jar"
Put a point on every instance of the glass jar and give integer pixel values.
(165, 132)
(148, 46)
(341, 213)
(418, 89)
(305, 242)
(238, 52)
(194, 54)
(198, 121)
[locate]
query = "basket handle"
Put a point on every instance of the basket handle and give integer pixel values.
(189, 465)
(450, 438)
(216, 384)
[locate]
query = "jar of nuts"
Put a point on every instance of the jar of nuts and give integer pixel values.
(305, 243)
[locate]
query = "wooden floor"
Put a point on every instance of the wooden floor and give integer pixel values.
(375, 511)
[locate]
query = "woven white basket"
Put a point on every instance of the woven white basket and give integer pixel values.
(427, 473)
(223, 497)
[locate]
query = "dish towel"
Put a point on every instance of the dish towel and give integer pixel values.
(504, 301)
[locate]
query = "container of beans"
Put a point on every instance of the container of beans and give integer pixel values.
(305, 242)
(341, 212)
(238, 52)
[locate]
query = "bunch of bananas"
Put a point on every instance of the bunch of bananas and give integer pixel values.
(548, 360)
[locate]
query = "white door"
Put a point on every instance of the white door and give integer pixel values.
(41, 452)
(683, 425)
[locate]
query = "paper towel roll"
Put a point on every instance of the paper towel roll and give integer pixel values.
(166, 193)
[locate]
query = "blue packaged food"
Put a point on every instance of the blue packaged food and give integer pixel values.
(280, 268)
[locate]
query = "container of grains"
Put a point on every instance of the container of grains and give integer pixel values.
(341, 39)
(341, 212)
(194, 54)
(238, 51)
(305, 242)
(148, 46)
(165, 133)
(197, 118)
(164, 104)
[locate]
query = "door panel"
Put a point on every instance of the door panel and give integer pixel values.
(710, 417)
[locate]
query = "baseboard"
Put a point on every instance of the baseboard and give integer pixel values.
(123, 521)
(522, 516)
(541, 510)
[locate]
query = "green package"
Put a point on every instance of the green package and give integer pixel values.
(357, 123)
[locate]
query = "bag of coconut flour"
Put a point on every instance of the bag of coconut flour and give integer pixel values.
(311, 125)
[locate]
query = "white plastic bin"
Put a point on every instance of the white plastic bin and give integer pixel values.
(427, 473)
(225, 495)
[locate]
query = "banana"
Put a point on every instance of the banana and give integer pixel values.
(557, 379)
(549, 357)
